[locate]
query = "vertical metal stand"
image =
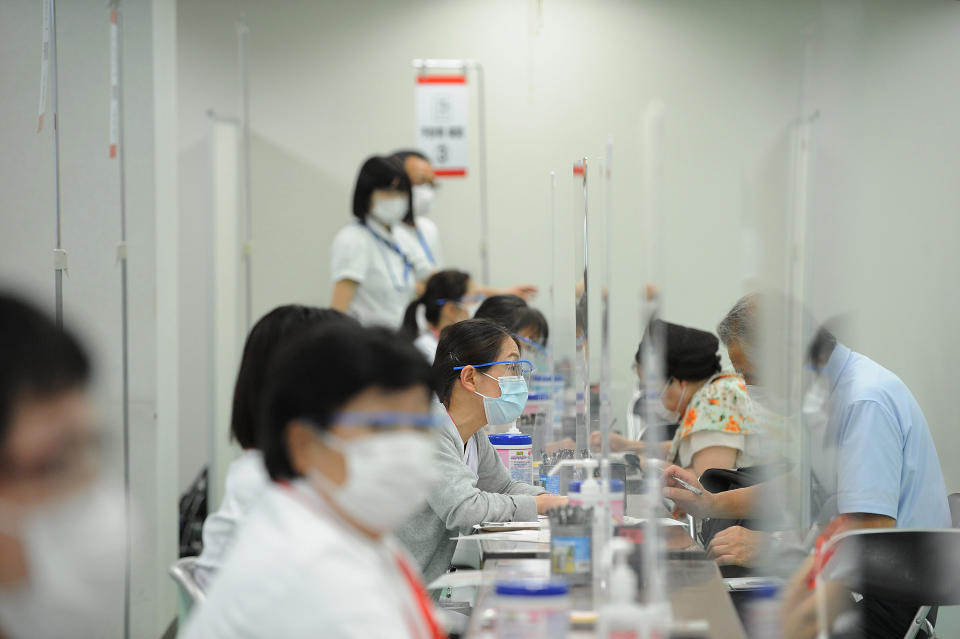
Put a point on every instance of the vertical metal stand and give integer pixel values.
(605, 366)
(583, 421)
(463, 65)
(482, 177)
(654, 352)
(116, 77)
(242, 33)
(60, 261)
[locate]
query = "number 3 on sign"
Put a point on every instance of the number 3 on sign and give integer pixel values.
(442, 120)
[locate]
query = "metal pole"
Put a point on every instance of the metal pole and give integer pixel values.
(117, 72)
(482, 171)
(583, 429)
(242, 33)
(59, 256)
(605, 370)
(653, 357)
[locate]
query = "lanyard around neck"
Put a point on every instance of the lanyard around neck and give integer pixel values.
(426, 247)
(407, 266)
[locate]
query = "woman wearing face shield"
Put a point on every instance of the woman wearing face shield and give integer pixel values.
(375, 273)
(445, 301)
(526, 323)
(62, 524)
(717, 428)
(479, 379)
(346, 435)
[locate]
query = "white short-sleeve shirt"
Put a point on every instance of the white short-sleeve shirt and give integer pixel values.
(246, 481)
(423, 240)
(385, 269)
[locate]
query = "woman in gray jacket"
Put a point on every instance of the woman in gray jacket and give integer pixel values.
(480, 380)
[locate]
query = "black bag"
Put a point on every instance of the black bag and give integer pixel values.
(718, 480)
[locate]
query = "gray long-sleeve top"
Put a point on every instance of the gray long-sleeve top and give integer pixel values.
(460, 499)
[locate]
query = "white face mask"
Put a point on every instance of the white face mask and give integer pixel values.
(423, 195)
(390, 210)
(75, 552)
(389, 476)
(674, 416)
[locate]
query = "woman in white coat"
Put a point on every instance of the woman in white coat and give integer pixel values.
(375, 273)
(347, 443)
(246, 475)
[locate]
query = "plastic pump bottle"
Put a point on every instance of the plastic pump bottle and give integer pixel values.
(622, 617)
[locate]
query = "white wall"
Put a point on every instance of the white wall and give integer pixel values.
(91, 231)
(331, 84)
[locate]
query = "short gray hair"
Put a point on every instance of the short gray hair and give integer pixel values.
(740, 323)
(742, 326)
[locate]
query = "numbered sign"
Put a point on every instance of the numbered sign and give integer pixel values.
(441, 119)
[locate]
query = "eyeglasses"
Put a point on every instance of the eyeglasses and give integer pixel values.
(386, 419)
(514, 367)
(468, 299)
(529, 342)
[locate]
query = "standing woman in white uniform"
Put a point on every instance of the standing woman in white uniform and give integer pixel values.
(347, 442)
(445, 302)
(375, 274)
(246, 478)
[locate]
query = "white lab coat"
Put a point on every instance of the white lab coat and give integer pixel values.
(246, 481)
(299, 570)
(385, 285)
(427, 344)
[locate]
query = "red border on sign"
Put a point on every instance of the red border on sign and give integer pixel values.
(450, 172)
(441, 79)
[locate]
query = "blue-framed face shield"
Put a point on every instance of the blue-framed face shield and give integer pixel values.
(386, 421)
(506, 368)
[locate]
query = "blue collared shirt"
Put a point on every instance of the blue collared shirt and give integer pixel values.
(886, 462)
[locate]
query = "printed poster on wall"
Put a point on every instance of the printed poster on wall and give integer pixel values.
(442, 110)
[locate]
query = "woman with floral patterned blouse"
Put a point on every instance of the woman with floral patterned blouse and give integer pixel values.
(716, 417)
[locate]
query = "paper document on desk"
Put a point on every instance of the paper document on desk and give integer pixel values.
(521, 536)
(663, 521)
(461, 579)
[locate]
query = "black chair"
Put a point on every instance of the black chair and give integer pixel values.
(954, 500)
(913, 566)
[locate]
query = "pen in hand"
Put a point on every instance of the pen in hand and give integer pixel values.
(693, 489)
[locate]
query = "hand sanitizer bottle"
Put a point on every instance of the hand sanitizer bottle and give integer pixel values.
(622, 617)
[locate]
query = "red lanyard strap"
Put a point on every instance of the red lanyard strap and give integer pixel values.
(423, 601)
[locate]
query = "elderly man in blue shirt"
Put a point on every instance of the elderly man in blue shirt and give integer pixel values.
(874, 461)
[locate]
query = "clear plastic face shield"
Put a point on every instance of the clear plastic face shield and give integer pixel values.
(468, 303)
(533, 351)
(511, 368)
(389, 421)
